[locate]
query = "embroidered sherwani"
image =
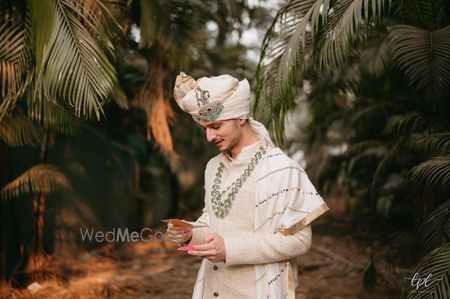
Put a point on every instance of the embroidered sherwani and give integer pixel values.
(263, 231)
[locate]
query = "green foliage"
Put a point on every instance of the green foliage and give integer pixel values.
(435, 230)
(422, 56)
(16, 68)
(18, 130)
(64, 58)
(436, 263)
(430, 145)
(40, 178)
(434, 172)
(380, 77)
(72, 63)
(306, 32)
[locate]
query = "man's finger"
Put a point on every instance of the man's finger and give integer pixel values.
(176, 227)
(209, 238)
(203, 247)
(202, 253)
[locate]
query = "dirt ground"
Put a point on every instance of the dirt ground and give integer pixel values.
(333, 268)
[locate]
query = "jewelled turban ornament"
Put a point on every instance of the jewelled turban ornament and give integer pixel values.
(208, 110)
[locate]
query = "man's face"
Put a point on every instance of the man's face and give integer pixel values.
(226, 134)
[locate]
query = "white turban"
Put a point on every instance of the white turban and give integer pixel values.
(216, 98)
(213, 98)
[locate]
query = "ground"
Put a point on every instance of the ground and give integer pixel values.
(334, 268)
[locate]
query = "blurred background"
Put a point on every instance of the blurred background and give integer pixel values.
(357, 92)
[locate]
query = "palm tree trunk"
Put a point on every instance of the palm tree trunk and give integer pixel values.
(5, 173)
(36, 256)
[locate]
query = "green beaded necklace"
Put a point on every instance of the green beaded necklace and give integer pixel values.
(222, 209)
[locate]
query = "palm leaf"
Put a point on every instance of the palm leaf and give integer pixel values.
(369, 110)
(423, 56)
(407, 123)
(17, 130)
(425, 13)
(284, 47)
(358, 148)
(293, 40)
(173, 28)
(53, 116)
(388, 157)
(429, 145)
(435, 231)
(39, 178)
(436, 263)
(371, 151)
(345, 20)
(434, 172)
(15, 58)
(72, 67)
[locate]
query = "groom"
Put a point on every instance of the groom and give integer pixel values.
(258, 203)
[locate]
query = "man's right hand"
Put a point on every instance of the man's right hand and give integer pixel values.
(179, 234)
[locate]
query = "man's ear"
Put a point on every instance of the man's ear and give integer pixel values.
(242, 121)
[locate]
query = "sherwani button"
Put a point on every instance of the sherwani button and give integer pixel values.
(215, 268)
(216, 294)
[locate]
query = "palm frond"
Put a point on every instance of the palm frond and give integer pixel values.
(424, 13)
(72, 67)
(15, 58)
(423, 56)
(344, 23)
(120, 98)
(39, 178)
(407, 124)
(435, 231)
(53, 116)
(371, 108)
(358, 148)
(173, 28)
(302, 31)
(388, 157)
(282, 53)
(430, 145)
(434, 172)
(17, 130)
(372, 151)
(436, 264)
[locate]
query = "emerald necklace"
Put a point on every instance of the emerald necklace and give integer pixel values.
(222, 208)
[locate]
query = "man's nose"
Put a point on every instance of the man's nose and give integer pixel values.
(210, 135)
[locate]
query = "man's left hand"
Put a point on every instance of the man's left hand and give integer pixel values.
(213, 250)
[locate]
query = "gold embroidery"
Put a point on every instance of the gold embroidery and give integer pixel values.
(279, 274)
(286, 190)
(278, 170)
(298, 211)
(265, 221)
(274, 155)
(305, 221)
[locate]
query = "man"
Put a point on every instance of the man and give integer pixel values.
(258, 202)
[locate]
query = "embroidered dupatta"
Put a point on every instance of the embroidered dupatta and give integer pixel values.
(285, 205)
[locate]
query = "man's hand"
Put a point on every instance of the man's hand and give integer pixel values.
(213, 250)
(179, 234)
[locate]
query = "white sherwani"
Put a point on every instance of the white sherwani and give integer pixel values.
(263, 233)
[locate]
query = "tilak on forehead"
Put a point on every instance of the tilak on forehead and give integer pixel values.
(213, 98)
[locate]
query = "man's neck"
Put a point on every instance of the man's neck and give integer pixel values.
(249, 137)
